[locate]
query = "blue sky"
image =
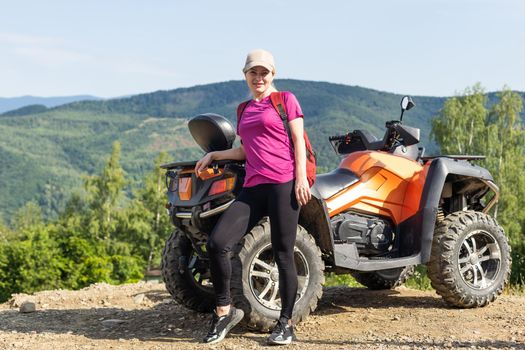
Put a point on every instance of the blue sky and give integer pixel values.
(114, 48)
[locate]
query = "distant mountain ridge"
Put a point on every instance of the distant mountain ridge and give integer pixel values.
(12, 103)
(45, 154)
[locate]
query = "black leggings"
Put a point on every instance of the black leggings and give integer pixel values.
(278, 201)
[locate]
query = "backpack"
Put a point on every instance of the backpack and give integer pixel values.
(280, 107)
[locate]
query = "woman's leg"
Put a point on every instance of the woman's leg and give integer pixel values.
(233, 224)
(283, 210)
(238, 219)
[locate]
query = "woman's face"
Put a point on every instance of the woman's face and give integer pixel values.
(259, 80)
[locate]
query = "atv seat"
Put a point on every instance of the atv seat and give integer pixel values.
(326, 185)
(370, 142)
(357, 140)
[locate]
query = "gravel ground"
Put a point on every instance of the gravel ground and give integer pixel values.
(142, 316)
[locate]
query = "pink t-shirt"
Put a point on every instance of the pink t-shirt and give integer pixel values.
(269, 157)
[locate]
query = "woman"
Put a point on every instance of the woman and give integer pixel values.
(275, 185)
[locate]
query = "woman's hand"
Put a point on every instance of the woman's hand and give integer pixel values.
(203, 163)
(302, 191)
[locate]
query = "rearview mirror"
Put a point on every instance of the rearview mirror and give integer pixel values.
(407, 103)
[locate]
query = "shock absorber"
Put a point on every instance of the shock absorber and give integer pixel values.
(440, 215)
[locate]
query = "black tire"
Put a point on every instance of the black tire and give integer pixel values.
(384, 279)
(189, 285)
(260, 313)
(455, 270)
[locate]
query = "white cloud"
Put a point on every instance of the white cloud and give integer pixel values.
(41, 50)
(94, 68)
(54, 51)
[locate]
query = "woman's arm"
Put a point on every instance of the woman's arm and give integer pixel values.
(232, 153)
(302, 188)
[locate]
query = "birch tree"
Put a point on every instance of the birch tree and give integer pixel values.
(465, 125)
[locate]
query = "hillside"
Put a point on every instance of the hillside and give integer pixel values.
(45, 155)
(12, 103)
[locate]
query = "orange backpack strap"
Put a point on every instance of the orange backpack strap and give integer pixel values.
(280, 107)
(278, 104)
(240, 109)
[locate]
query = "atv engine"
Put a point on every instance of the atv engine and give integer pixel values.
(372, 235)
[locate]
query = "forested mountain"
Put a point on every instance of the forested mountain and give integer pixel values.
(30, 109)
(12, 103)
(45, 153)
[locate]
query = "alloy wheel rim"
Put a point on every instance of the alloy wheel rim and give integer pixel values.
(479, 259)
(264, 277)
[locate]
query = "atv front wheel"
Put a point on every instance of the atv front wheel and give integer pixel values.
(255, 278)
(384, 279)
(470, 259)
(186, 276)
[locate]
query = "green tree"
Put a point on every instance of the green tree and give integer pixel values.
(466, 125)
(459, 127)
(84, 244)
(104, 192)
(506, 161)
(27, 216)
(30, 263)
(115, 261)
(51, 199)
(4, 230)
(147, 224)
(85, 260)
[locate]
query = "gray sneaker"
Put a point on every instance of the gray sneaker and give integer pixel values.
(220, 326)
(282, 333)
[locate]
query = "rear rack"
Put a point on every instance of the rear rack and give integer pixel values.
(192, 163)
(455, 157)
(205, 214)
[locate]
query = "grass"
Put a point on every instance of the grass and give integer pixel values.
(419, 281)
(332, 280)
(515, 289)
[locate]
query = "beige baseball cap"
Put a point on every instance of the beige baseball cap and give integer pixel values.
(259, 57)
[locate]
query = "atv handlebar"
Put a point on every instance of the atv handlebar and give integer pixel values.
(338, 137)
(192, 163)
(396, 135)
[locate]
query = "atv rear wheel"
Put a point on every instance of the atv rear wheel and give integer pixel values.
(384, 279)
(255, 278)
(186, 276)
(470, 259)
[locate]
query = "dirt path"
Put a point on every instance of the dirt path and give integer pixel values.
(142, 316)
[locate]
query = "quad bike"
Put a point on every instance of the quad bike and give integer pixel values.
(383, 210)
